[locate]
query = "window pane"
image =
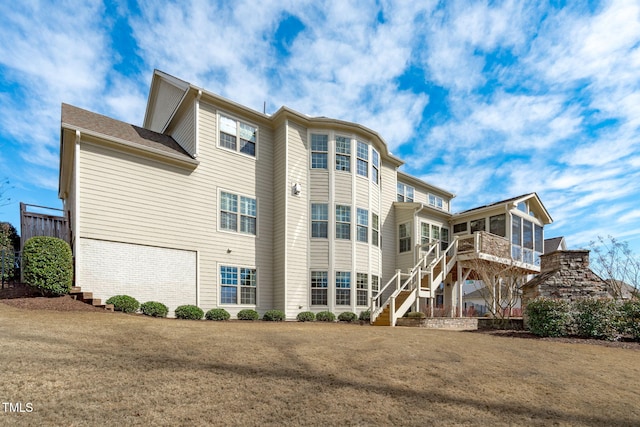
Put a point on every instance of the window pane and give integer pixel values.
(516, 230)
(363, 217)
(248, 224)
(319, 279)
(478, 225)
(248, 147)
(228, 221)
(319, 297)
(343, 231)
(459, 228)
(435, 232)
(363, 168)
(228, 125)
(374, 175)
(375, 158)
(318, 160)
(229, 275)
(319, 143)
(319, 229)
(228, 202)
(248, 206)
(424, 233)
(227, 141)
(343, 279)
(343, 163)
(343, 145)
(247, 277)
(247, 295)
(248, 133)
(527, 234)
(228, 295)
(319, 211)
(363, 151)
(539, 238)
(498, 225)
(343, 213)
(409, 194)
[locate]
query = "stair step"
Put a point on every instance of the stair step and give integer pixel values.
(75, 290)
(87, 297)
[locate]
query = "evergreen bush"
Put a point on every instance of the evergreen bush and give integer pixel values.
(596, 318)
(348, 317)
(306, 316)
(274, 316)
(248, 314)
(416, 315)
(189, 312)
(325, 316)
(124, 303)
(547, 317)
(630, 319)
(48, 265)
(154, 308)
(217, 314)
(365, 316)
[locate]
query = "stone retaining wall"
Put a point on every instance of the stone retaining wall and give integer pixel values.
(455, 323)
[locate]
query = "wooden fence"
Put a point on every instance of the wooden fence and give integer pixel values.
(39, 224)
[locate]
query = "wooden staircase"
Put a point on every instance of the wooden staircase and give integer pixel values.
(384, 318)
(87, 297)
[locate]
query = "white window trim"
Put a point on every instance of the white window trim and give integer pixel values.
(238, 121)
(219, 216)
(239, 286)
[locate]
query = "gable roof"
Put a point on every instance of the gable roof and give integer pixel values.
(99, 125)
(514, 201)
(553, 244)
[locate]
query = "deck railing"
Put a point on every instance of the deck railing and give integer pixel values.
(39, 224)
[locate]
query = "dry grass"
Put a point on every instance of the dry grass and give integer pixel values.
(89, 368)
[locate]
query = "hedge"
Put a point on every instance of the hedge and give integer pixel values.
(189, 312)
(124, 303)
(154, 308)
(217, 314)
(306, 316)
(548, 318)
(325, 316)
(348, 317)
(248, 314)
(48, 265)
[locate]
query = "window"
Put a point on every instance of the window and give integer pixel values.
(362, 219)
(459, 228)
(343, 154)
(319, 284)
(539, 238)
(405, 193)
(375, 166)
(229, 213)
(375, 284)
(435, 233)
(424, 233)
(516, 237)
(436, 202)
(444, 233)
(319, 220)
(362, 289)
(478, 225)
(375, 229)
(319, 151)
(343, 222)
(230, 281)
(527, 234)
(343, 288)
(232, 130)
(404, 235)
(498, 225)
(363, 159)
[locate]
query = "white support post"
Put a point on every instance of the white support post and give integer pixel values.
(392, 311)
(398, 279)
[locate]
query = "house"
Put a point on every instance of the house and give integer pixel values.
(212, 203)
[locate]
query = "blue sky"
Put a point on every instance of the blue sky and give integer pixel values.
(488, 100)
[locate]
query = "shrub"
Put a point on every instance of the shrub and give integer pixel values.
(274, 316)
(416, 314)
(124, 303)
(9, 243)
(217, 314)
(348, 317)
(325, 316)
(248, 314)
(630, 319)
(365, 316)
(548, 318)
(189, 312)
(48, 265)
(155, 309)
(306, 316)
(596, 318)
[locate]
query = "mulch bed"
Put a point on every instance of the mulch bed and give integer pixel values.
(623, 343)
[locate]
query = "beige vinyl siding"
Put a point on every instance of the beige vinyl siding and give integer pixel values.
(388, 221)
(281, 192)
(343, 192)
(343, 255)
(319, 254)
(184, 130)
(297, 220)
(166, 100)
(319, 182)
(362, 257)
(405, 260)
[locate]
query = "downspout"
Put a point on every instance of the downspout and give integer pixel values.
(76, 216)
(197, 125)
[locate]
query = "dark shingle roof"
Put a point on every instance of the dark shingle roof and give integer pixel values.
(83, 119)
